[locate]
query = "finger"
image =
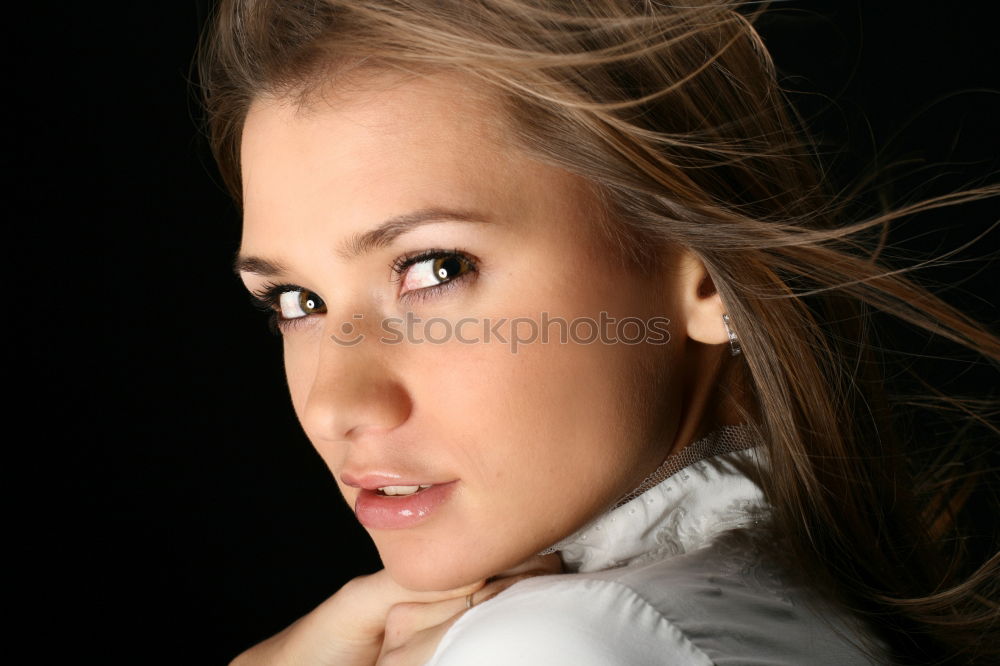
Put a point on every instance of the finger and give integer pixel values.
(412, 628)
(406, 620)
(493, 588)
(419, 649)
(369, 599)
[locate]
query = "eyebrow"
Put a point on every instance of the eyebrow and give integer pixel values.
(363, 243)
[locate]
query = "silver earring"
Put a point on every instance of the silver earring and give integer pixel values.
(734, 342)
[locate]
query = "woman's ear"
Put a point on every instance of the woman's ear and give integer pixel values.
(700, 304)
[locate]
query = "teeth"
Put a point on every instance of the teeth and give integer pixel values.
(401, 490)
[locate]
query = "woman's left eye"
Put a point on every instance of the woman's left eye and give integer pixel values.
(432, 269)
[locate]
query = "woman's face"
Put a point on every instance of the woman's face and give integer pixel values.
(517, 447)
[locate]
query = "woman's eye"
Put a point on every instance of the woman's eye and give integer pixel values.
(298, 303)
(422, 275)
(435, 271)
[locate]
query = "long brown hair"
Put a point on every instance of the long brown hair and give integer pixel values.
(674, 114)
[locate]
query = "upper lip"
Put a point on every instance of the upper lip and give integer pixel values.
(376, 480)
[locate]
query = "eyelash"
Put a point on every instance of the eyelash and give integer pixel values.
(266, 299)
(399, 266)
(268, 296)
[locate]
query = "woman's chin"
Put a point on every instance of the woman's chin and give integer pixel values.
(423, 565)
(430, 575)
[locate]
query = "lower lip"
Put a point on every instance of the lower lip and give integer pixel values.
(383, 512)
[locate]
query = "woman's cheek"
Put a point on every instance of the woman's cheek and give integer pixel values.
(296, 373)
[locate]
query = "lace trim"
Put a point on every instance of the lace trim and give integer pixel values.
(724, 440)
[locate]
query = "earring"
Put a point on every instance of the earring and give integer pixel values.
(734, 342)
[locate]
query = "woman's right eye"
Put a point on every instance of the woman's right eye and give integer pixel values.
(288, 304)
(297, 303)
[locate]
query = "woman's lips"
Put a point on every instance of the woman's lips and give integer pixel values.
(388, 512)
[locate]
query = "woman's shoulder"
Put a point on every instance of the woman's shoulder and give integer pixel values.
(724, 604)
(578, 619)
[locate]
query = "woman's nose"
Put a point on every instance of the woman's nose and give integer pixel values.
(353, 390)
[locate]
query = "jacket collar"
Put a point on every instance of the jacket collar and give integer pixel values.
(696, 494)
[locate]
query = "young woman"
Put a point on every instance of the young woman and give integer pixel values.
(561, 293)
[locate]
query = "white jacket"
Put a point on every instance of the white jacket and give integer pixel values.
(673, 575)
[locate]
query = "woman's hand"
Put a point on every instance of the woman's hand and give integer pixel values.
(374, 620)
(413, 630)
(347, 628)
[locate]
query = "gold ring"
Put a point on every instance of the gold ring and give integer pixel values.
(468, 600)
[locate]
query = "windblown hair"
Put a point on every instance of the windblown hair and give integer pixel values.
(673, 112)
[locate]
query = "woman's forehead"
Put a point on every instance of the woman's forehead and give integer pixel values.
(391, 101)
(392, 147)
(419, 132)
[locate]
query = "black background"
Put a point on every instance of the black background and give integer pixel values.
(173, 510)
